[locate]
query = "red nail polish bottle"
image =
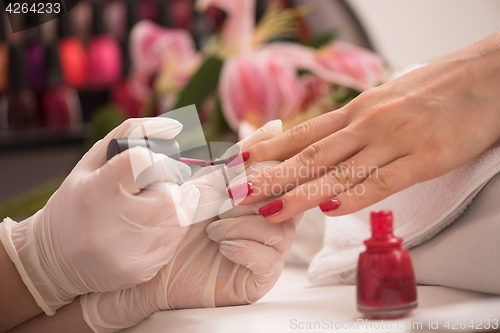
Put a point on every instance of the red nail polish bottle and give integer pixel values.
(72, 52)
(386, 282)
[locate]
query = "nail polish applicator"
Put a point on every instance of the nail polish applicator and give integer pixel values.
(163, 146)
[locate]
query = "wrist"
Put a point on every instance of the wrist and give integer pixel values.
(31, 264)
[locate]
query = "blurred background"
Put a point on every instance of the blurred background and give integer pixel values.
(65, 83)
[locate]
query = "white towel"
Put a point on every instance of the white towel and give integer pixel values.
(420, 212)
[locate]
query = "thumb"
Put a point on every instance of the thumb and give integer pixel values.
(139, 168)
(264, 263)
(113, 311)
(159, 127)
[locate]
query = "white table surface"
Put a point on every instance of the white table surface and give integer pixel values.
(294, 303)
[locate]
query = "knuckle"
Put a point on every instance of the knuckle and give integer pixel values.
(270, 176)
(345, 173)
(129, 123)
(384, 180)
(312, 155)
(300, 134)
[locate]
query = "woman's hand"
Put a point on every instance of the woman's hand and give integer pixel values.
(409, 130)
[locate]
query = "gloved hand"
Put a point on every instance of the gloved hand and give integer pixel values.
(99, 231)
(234, 260)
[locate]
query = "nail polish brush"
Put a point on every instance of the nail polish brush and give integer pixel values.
(167, 147)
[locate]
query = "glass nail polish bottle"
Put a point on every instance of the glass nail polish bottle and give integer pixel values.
(59, 104)
(104, 53)
(4, 56)
(34, 52)
(72, 52)
(122, 94)
(386, 282)
(18, 106)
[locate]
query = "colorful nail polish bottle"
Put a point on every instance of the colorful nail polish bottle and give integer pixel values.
(59, 104)
(72, 53)
(104, 53)
(181, 14)
(4, 56)
(116, 12)
(122, 94)
(34, 52)
(148, 10)
(18, 108)
(385, 280)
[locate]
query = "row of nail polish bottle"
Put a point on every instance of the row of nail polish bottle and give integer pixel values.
(35, 95)
(93, 59)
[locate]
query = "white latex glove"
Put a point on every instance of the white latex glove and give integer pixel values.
(99, 231)
(235, 260)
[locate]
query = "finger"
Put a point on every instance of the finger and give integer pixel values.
(311, 163)
(126, 170)
(254, 228)
(270, 130)
(158, 170)
(336, 181)
(298, 138)
(392, 178)
(264, 263)
(159, 127)
(229, 210)
(172, 207)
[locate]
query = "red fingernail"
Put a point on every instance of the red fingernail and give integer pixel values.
(272, 208)
(237, 159)
(329, 205)
(240, 191)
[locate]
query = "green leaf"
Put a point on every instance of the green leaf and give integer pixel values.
(321, 40)
(104, 120)
(202, 84)
(217, 129)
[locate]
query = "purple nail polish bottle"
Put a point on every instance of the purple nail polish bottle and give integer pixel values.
(34, 52)
(18, 107)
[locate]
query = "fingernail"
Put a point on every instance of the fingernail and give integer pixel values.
(240, 191)
(237, 159)
(272, 208)
(214, 230)
(329, 205)
(225, 247)
(229, 246)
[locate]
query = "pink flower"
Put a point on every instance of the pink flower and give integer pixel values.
(257, 88)
(349, 65)
(239, 26)
(314, 90)
(338, 63)
(154, 48)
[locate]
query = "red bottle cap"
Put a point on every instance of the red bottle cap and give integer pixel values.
(381, 222)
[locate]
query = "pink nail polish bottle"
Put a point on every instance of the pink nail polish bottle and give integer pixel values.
(386, 282)
(104, 53)
(4, 56)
